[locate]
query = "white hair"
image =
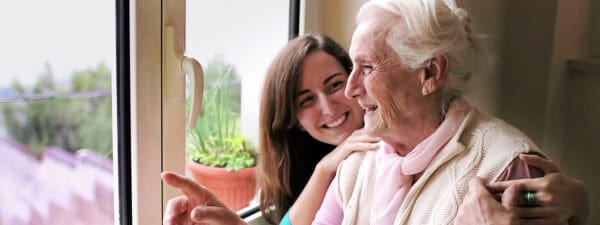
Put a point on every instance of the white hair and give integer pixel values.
(423, 29)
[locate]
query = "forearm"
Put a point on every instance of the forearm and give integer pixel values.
(304, 209)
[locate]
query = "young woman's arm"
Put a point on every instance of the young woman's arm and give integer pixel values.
(558, 198)
(304, 209)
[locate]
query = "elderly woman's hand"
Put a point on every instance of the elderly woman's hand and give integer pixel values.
(480, 207)
(197, 206)
(559, 199)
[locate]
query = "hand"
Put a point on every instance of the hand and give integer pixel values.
(197, 206)
(479, 206)
(559, 199)
(357, 141)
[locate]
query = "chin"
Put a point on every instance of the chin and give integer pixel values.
(375, 126)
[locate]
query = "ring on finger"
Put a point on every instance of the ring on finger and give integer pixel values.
(528, 198)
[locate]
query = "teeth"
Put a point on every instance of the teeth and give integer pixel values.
(337, 122)
(371, 108)
(368, 108)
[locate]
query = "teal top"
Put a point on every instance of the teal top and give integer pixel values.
(286, 219)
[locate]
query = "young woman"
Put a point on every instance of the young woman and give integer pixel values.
(306, 122)
(307, 127)
(304, 115)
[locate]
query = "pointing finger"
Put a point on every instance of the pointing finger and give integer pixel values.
(191, 189)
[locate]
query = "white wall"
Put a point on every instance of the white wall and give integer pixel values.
(332, 17)
(572, 122)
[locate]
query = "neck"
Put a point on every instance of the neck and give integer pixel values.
(413, 130)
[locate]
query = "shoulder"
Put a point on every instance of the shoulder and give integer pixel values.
(352, 164)
(491, 145)
(493, 133)
(348, 173)
(348, 169)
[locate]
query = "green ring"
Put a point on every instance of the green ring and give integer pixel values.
(530, 198)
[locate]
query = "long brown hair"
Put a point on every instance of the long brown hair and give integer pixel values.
(288, 155)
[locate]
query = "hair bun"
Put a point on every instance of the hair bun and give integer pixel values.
(462, 15)
(464, 19)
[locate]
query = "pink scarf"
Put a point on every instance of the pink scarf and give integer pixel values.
(394, 176)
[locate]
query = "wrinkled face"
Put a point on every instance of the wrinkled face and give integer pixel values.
(390, 93)
(323, 110)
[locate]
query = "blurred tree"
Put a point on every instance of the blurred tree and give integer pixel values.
(95, 130)
(70, 124)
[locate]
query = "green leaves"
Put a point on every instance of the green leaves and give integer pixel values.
(216, 140)
(231, 160)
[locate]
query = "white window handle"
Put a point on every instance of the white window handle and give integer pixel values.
(192, 67)
(176, 67)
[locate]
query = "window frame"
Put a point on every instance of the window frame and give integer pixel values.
(145, 46)
(141, 109)
(121, 111)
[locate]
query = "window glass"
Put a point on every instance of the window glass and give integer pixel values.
(55, 120)
(235, 42)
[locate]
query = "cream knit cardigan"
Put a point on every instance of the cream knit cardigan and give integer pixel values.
(482, 146)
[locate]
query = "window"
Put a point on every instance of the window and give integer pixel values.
(235, 42)
(58, 111)
(244, 35)
(56, 119)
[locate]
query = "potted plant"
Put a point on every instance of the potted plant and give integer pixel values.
(220, 158)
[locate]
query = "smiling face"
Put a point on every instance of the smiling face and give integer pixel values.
(379, 82)
(392, 95)
(323, 110)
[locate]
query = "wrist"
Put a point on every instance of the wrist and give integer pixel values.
(323, 169)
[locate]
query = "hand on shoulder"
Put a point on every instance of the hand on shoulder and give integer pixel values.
(359, 140)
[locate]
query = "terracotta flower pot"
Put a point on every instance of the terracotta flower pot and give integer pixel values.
(234, 188)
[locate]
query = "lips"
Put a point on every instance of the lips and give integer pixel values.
(367, 107)
(338, 121)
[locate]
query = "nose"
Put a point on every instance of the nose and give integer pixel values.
(327, 106)
(354, 85)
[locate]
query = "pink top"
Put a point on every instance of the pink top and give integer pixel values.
(393, 189)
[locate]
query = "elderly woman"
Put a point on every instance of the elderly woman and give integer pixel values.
(412, 61)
